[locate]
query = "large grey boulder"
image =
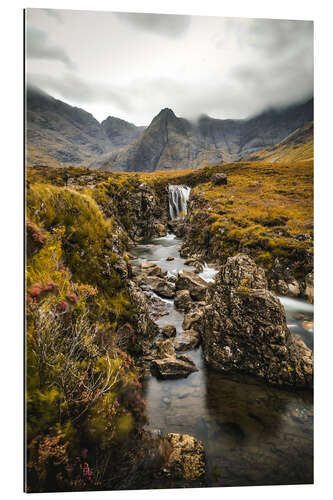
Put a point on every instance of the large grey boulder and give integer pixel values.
(188, 339)
(151, 269)
(172, 367)
(219, 179)
(244, 329)
(161, 286)
(194, 284)
(183, 300)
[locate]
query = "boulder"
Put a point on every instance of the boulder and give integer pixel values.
(168, 330)
(309, 288)
(194, 319)
(293, 288)
(170, 258)
(183, 300)
(161, 286)
(151, 269)
(188, 280)
(188, 339)
(157, 307)
(198, 267)
(219, 179)
(282, 287)
(178, 227)
(160, 230)
(186, 459)
(244, 329)
(143, 325)
(165, 348)
(172, 367)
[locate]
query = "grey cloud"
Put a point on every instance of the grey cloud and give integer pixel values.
(260, 64)
(165, 25)
(228, 99)
(39, 47)
(55, 13)
(275, 36)
(75, 90)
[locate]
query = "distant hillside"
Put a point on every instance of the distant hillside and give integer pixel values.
(119, 132)
(241, 138)
(296, 146)
(172, 143)
(58, 133)
(169, 143)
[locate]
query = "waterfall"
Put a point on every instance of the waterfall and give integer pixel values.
(178, 197)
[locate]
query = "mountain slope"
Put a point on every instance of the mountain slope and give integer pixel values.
(175, 143)
(60, 133)
(296, 146)
(241, 137)
(169, 143)
(120, 132)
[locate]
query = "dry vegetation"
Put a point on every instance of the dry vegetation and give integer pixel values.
(265, 209)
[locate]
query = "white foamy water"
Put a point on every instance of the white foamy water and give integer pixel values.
(208, 274)
(296, 305)
(178, 197)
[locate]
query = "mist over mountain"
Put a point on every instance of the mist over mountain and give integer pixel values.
(70, 135)
(171, 143)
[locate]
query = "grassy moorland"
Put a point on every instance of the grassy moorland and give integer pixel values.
(265, 209)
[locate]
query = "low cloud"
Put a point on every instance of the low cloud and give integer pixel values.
(55, 13)
(164, 25)
(75, 90)
(40, 47)
(223, 67)
(232, 98)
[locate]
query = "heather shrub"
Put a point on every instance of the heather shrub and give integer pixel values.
(79, 396)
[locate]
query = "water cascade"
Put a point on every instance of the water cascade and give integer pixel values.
(178, 197)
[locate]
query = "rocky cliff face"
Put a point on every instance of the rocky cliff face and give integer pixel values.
(245, 330)
(119, 132)
(175, 143)
(169, 143)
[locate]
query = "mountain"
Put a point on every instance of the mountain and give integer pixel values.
(119, 132)
(64, 134)
(242, 137)
(59, 134)
(296, 146)
(174, 143)
(169, 143)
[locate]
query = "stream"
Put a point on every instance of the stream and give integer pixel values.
(253, 434)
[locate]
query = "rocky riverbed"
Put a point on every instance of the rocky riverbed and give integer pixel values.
(252, 433)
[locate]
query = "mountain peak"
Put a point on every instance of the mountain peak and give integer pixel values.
(166, 113)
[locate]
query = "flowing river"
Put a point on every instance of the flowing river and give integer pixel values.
(253, 434)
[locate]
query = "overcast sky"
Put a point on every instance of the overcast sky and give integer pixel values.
(133, 65)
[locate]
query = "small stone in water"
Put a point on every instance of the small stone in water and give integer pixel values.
(170, 258)
(308, 326)
(183, 394)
